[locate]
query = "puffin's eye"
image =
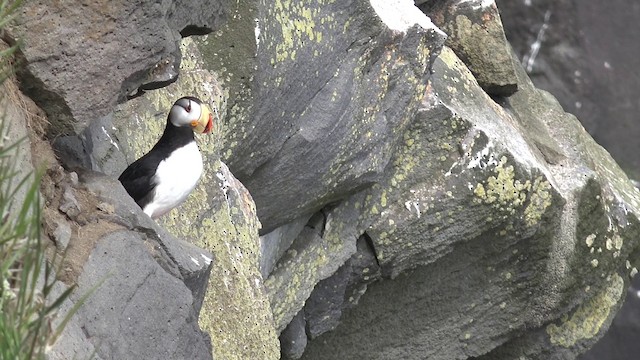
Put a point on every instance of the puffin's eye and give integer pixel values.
(189, 107)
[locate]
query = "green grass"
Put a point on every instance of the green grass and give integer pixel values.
(27, 309)
(27, 305)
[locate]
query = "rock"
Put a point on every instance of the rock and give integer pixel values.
(69, 204)
(574, 217)
(14, 130)
(236, 311)
(324, 306)
(126, 265)
(62, 235)
(476, 35)
(293, 339)
(274, 244)
(218, 216)
(151, 304)
(189, 263)
(114, 49)
(332, 296)
(334, 84)
(315, 255)
(620, 342)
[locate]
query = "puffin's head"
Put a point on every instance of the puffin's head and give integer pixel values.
(191, 112)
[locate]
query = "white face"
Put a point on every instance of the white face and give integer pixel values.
(184, 112)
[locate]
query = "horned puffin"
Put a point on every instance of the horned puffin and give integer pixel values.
(163, 178)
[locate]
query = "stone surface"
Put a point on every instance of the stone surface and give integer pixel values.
(332, 86)
(145, 289)
(524, 214)
(14, 120)
(219, 215)
(115, 49)
(621, 341)
(406, 214)
(475, 34)
(342, 290)
(293, 339)
(307, 261)
(151, 304)
(274, 244)
(236, 311)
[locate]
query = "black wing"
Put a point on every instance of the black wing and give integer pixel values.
(138, 178)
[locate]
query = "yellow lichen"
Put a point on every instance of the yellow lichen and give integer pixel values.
(507, 194)
(587, 320)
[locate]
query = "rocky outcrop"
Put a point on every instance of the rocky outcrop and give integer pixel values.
(529, 222)
(404, 212)
(333, 87)
(115, 49)
(476, 35)
(115, 255)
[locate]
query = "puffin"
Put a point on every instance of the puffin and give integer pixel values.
(163, 178)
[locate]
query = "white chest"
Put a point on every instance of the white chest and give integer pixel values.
(176, 177)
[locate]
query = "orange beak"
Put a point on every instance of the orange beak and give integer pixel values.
(204, 124)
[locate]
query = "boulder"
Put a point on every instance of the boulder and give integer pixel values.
(342, 290)
(293, 339)
(321, 96)
(533, 263)
(274, 244)
(475, 34)
(115, 49)
(139, 289)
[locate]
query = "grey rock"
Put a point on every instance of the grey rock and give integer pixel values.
(150, 315)
(153, 305)
(62, 235)
(476, 35)
(296, 271)
(113, 50)
(620, 342)
(323, 309)
(364, 271)
(69, 205)
(73, 343)
(193, 264)
(293, 338)
(14, 131)
(104, 146)
(465, 279)
(355, 81)
(318, 252)
(274, 244)
(332, 296)
(71, 151)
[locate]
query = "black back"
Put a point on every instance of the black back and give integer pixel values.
(138, 178)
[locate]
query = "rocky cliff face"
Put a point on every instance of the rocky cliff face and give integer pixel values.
(409, 192)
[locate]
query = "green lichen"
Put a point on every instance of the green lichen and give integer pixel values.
(539, 201)
(297, 25)
(236, 310)
(311, 259)
(508, 195)
(587, 320)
